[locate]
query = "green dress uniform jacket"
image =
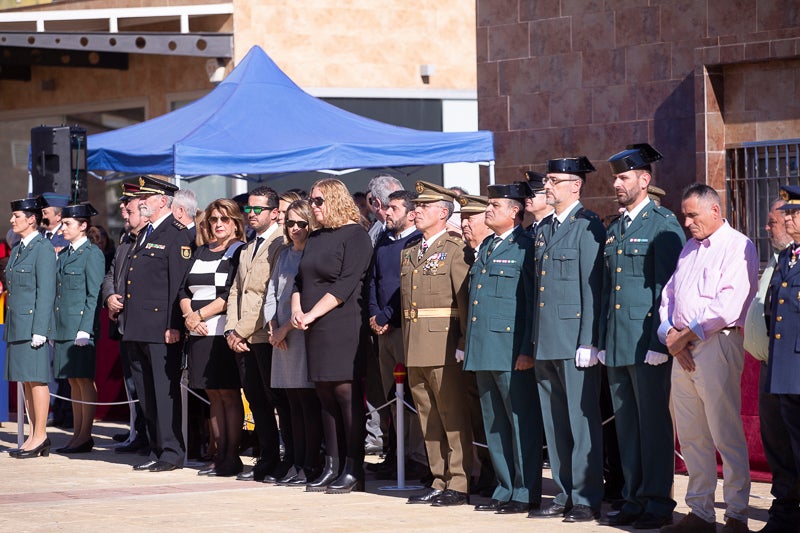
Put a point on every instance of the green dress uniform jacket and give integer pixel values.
(78, 281)
(639, 261)
(501, 302)
(569, 271)
(31, 286)
(637, 266)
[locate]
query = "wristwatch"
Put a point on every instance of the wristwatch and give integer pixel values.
(227, 333)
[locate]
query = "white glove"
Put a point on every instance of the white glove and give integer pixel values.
(459, 355)
(82, 338)
(655, 358)
(37, 340)
(601, 356)
(585, 356)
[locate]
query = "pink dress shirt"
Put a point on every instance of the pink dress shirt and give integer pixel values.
(712, 286)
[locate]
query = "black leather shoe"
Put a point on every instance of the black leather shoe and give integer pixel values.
(43, 449)
(144, 467)
(620, 518)
(425, 497)
(245, 476)
(121, 437)
(450, 498)
(513, 507)
(491, 505)
(652, 521)
(261, 469)
(350, 480)
(553, 510)
(131, 447)
(208, 470)
(86, 447)
(580, 513)
(162, 466)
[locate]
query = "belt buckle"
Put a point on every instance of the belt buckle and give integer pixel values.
(412, 313)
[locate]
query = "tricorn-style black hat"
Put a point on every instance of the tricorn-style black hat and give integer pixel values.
(634, 156)
(570, 165)
(78, 211)
(27, 204)
(535, 182)
(149, 185)
(514, 191)
(51, 199)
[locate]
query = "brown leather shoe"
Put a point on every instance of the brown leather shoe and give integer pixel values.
(691, 523)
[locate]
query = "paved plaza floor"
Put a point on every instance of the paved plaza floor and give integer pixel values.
(99, 492)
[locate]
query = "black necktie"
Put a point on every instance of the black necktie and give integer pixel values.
(259, 240)
(49, 235)
(492, 245)
(555, 225)
(70, 250)
(626, 221)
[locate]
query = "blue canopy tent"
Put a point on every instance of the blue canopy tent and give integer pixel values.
(258, 121)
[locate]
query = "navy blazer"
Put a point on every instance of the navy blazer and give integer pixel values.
(783, 314)
(384, 279)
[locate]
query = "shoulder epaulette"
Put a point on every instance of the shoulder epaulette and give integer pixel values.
(178, 224)
(588, 215)
(663, 211)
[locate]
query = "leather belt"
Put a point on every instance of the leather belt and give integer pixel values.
(430, 312)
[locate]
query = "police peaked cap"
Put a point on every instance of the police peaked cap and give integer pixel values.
(79, 211)
(570, 165)
(149, 185)
(634, 156)
(791, 194)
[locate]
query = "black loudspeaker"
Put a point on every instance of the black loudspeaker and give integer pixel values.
(58, 161)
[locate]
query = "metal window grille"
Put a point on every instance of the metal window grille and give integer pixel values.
(754, 175)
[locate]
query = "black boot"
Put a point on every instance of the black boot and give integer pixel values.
(352, 478)
(329, 473)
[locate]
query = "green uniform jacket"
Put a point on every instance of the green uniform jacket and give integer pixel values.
(31, 284)
(78, 280)
(569, 274)
(501, 295)
(637, 266)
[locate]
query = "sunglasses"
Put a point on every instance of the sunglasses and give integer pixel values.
(302, 224)
(223, 219)
(257, 209)
(316, 201)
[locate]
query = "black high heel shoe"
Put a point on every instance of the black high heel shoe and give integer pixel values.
(86, 447)
(43, 449)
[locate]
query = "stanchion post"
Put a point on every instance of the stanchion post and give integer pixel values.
(399, 409)
(185, 414)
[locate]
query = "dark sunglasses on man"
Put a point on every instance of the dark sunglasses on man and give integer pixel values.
(316, 201)
(257, 209)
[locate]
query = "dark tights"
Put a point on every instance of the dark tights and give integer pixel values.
(306, 418)
(342, 418)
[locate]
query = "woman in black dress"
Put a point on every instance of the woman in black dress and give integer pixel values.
(203, 301)
(328, 305)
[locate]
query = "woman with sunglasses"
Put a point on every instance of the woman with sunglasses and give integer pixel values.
(76, 322)
(289, 366)
(203, 301)
(328, 304)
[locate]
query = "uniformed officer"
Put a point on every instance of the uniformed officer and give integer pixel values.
(153, 322)
(783, 378)
(569, 270)
(31, 286)
(433, 292)
(76, 321)
(536, 200)
(499, 351)
(641, 252)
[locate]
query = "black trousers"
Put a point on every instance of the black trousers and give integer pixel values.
(255, 367)
(139, 420)
(156, 372)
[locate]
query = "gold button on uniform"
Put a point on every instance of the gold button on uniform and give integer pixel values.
(780, 301)
(777, 336)
(479, 285)
(617, 287)
(619, 269)
(541, 289)
(543, 272)
(784, 284)
(619, 252)
(475, 302)
(616, 306)
(541, 304)
(508, 328)
(474, 318)
(483, 271)
(778, 319)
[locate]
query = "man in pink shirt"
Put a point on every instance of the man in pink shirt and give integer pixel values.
(703, 307)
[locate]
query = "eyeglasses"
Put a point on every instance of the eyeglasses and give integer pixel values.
(223, 219)
(257, 209)
(302, 224)
(555, 181)
(316, 201)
